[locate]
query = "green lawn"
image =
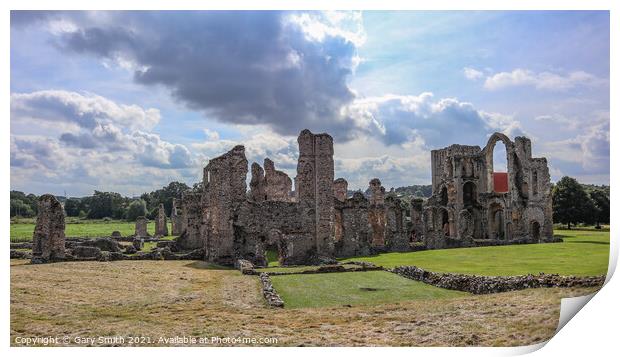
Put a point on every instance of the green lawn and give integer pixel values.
(357, 288)
(583, 252)
(86, 228)
(292, 269)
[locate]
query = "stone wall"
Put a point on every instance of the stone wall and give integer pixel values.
(191, 237)
(341, 187)
(495, 284)
(49, 232)
(223, 192)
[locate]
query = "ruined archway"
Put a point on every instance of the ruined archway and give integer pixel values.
(444, 222)
(496, 221)
(444, 196)
(502, 181)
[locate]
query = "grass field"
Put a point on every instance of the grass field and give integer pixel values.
(184, 298)
(583, 252)
(353, 289)
(82, 228)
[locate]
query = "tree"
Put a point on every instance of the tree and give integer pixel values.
(106, 204)
(21, 209)
(571, 203)
(601, 202)
(164, 195)
(72, 207)
(136, 209)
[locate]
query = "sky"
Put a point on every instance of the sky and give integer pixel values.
(129, 101)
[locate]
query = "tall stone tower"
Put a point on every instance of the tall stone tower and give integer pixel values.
(315, 185)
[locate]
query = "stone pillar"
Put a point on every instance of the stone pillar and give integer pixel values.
(49, 233)
(257, 183)
(161, 223)
(176, 219)
(141, 227)
(341, 187)
(315, 183)
(377, 215)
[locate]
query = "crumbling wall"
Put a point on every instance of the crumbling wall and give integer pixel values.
(161, 224)
(257, 184)
(355, 239)
(341, 187)
(49, 232)
(191, 237)
(286, 225)
(466, 208)
(224, 191)
(278, 186)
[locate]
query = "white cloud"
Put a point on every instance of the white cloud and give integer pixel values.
(472, 74)
(542, 81)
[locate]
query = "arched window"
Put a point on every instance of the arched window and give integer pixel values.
(469, 194)
(534, 183)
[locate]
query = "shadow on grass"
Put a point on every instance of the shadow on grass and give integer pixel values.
(206, 265)
(586, 241)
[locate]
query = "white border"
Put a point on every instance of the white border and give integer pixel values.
(592, 331)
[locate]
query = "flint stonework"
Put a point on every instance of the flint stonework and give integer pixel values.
(49, 233)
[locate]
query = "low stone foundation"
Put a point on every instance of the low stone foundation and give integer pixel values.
(270, 294)
(495, 284)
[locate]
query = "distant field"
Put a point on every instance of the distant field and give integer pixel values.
(357, 288)
(81, 228)
(583, 252)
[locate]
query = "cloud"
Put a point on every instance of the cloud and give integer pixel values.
(398, 119)
(472, 74)
(286, 70)
(86, 110)
(542, 81)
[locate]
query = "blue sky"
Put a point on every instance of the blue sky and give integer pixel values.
(128, 101)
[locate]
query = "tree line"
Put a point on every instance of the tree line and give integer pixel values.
(100, 205)
(573, 203)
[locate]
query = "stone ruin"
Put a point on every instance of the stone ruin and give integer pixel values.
(473, 205)
(318, 222)
(49, 232)
(141, 227)
(176, 218)
(161, 222)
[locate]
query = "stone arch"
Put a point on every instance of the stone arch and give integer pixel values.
(488, 152)
(444, 222)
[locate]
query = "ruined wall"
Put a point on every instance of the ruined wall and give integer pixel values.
(257, 184)
(49, 233)
(354, 225)
(465, 208)
(285, 225)
(341, 187)
(223, 192)
(278, 186)
(191, 237)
